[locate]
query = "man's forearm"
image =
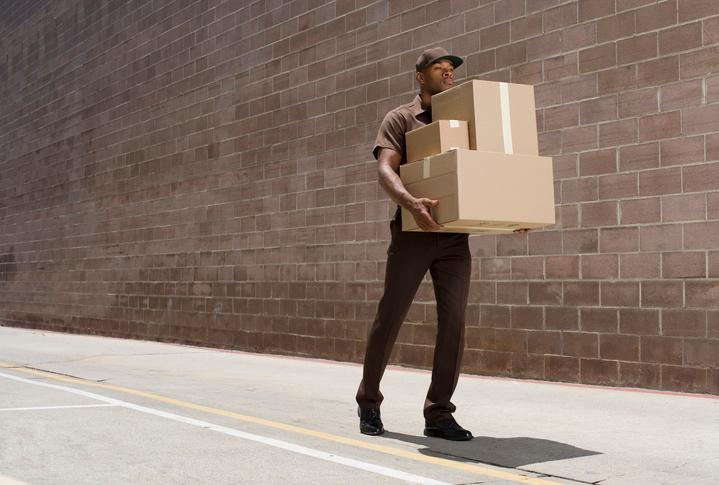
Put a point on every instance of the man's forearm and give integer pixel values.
(392, 184)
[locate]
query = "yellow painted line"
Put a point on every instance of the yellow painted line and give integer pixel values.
(465, 467)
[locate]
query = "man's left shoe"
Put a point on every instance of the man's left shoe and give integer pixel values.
(448, 429)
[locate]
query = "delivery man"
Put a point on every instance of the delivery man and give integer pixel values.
(410, 255)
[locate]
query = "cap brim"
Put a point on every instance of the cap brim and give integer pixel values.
(456, 61)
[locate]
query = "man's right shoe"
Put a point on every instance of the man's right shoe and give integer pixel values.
(448, 429)
(370, 422)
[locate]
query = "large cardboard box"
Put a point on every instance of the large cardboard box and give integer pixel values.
(482, 192)
(435, 138)
(501, 116)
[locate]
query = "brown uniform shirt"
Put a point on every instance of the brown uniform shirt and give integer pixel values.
(399, 121)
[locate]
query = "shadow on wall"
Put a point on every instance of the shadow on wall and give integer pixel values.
(504, 452)
(8, 268)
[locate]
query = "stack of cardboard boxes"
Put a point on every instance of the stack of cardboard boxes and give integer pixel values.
(480, 159)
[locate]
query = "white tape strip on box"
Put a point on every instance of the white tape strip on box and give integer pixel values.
(506, 120)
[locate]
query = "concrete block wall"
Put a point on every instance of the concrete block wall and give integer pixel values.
(199, 172)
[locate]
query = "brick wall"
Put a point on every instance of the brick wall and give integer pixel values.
(199, 172)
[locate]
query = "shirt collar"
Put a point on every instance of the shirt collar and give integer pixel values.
(416, 106)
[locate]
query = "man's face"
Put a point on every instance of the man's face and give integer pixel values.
(437, 78)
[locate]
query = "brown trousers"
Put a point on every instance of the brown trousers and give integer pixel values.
(410, 255)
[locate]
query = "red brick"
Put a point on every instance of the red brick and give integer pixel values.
(479, 18)
(711, 32)
(657, 16)
(600, 109)
(616, 27)
(663, 294)
(684, 265)
(560, 67)
(494, 36)
(699, 63)
(561, 368)
(712, 87)
(528, 366)
(508, 9)
(561, 116)
(530, 267)
(600, 266)
(545, 242)
(599, 320)
(619, 347)
(579, 36)
(525, 27)
(701, 235)
(665, 237)
(593, 9)
(598, 162)
(694, 9)
(559, 17)
(682, 208)
(704, 353)
(561, 267)
(621, 78)
(640, 102)
(640, 265)
(712, 145)
(639, 375)
(701, 119)
(702, 294)
(619, 294)
(578, 88)
(680, 151)
(641, 211)
(561, 318)
(682, 38)
(639, 157)
(597, 214)
(619, 240)
(683, 379)
(684, 323)
(660, 181)
(597, 58)
(618, 186)
(545, 45)
(578, 190)
(580, 293)
(580, 241)
(549, 293)
(658, 71)
(664, 125)
(632, 4)
(494, 316)
(663, 350)
(510, 340)
(580, 344)
(528, 73)
(512, 293)
(579, 139)
(495, 268)
(617, 133)
(527, 317)
(637, 48)
(544, 342)
(713, 324)
(633, 321)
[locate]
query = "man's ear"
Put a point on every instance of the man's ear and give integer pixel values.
(419, 77)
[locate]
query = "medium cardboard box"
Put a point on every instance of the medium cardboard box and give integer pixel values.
(501, 116)
(435, 138)
(482, 192)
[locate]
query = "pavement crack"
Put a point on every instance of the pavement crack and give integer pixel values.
(60, 373)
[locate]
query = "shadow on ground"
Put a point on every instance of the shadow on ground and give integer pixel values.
(504, 452)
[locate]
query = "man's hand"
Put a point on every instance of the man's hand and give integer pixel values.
(420, 211)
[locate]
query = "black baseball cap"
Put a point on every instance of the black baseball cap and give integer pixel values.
(435, 54)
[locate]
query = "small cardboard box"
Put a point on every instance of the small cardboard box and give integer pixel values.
(435, 138)
(501, 116)
(482, 192)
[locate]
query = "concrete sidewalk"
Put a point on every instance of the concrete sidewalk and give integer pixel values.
(83, 409)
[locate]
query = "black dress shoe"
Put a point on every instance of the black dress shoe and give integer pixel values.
(448, 429)
(370, 422)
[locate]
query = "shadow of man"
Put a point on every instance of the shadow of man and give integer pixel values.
(504, 452)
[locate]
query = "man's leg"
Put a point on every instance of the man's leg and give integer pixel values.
(451, 273)
(409, 257)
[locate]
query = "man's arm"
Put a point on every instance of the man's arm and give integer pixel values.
(387, 168)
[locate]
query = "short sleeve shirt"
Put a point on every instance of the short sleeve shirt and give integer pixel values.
(399, 121)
